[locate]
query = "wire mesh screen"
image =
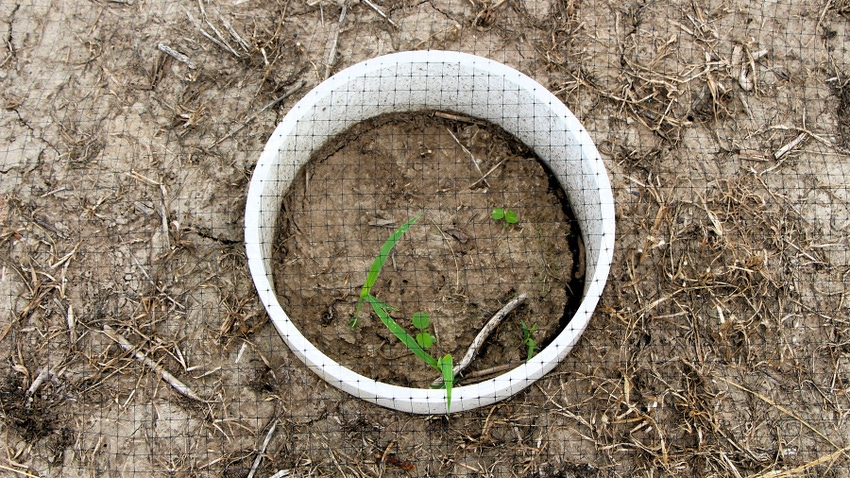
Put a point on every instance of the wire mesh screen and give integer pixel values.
(135, 342)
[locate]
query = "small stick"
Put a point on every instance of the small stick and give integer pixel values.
(236, 36)
(261, 452)
(223, 40)
(332, 55)
(211, 38)
(814, 135)
(170, 379)
(486, 174)
(379, 12)
(791, 145)
(488, 328)
(490, 371)
(72, 324)
(277, 100)
(471, 156)
(176, 55)
(395, 461)
(42, 375)
(451, 116)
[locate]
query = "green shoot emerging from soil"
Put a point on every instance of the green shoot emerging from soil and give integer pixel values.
(510, 217)
(421, 320)
(527, 340)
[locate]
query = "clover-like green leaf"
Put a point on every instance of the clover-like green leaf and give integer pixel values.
(498, 213)
(425, 340)
(421, 320)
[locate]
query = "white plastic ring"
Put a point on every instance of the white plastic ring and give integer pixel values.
(445, 81)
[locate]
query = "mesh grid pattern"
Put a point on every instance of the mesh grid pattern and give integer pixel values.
(133, 339)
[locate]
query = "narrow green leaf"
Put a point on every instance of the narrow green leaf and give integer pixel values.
(397, 330)
(511, 217)
(446, 367)
(532, 347)
(421, 320)
(378, 264)
(527, 340)
(498, 213)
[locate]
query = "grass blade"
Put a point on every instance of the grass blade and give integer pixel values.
(378, 264)
(448, 379)
(398, 331)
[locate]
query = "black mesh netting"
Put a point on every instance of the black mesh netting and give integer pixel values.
(134, 341)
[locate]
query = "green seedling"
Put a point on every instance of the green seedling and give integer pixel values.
(423, 340)
(527, 340)
(499, 214)
(378, 264)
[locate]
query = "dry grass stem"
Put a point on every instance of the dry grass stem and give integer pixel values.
(790, 146)
(220, 41)
(176, 55)
(297, 86)
(484, 176)
(803, 469)
(335, 42)
(262, 451)
(182, 388)
(471, 158)
(788, 412)
(380, 12)
(19, 472)
(484, 373)
(236, 36)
